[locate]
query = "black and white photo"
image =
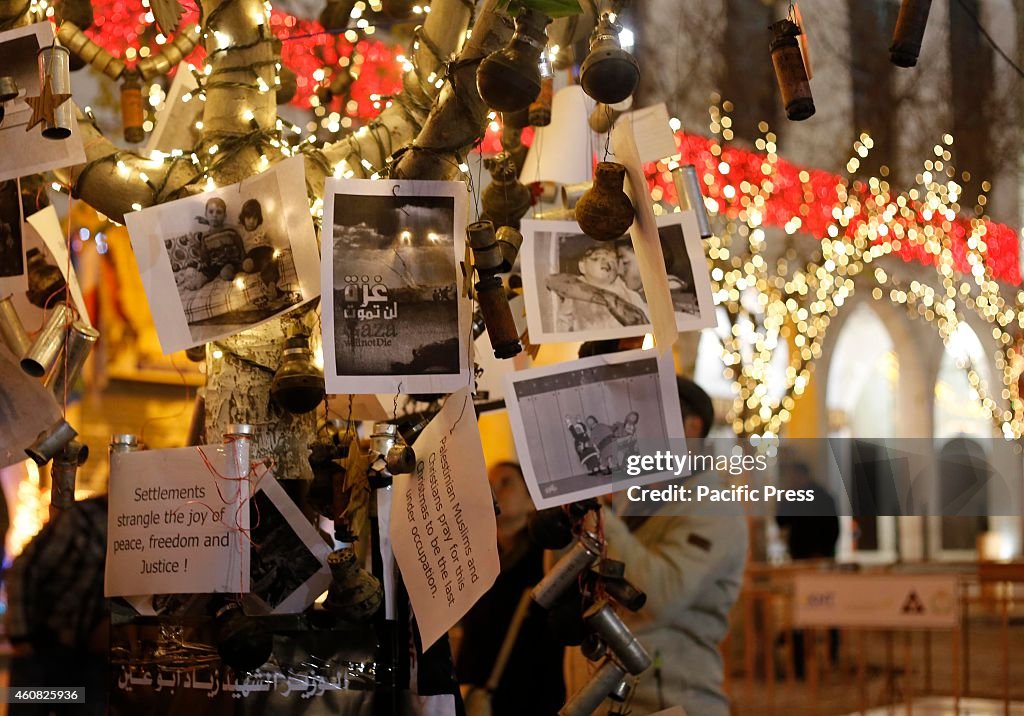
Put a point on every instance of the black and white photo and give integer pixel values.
(287, 557)
(28, 152)
(576, 424)
(578, 288)
(225, 260)
(13, 276)
(394, 313)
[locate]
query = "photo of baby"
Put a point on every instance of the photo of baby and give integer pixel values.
(233, 255)
(577, 288)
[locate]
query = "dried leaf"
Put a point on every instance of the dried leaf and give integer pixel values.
(168, 14)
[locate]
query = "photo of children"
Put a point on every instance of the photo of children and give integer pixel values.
(576, 424)
(235, 256)
(577, 288)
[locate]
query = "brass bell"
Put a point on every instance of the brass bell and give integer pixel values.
(298, 384)
(505, 200)
(609, 74)
(909, 32)
(509, 79)
(604, 212)
(790, 71)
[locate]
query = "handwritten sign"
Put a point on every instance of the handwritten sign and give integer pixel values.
(176, 525)
(443, 531)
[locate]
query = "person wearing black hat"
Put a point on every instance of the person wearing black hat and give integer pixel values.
(690, 564)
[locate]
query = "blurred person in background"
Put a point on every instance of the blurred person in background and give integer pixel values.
(57, 618)
(690, 565)
(531, 679)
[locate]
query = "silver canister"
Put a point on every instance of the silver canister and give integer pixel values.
(47, 346)
(687, 185)
(572, 193)
(510, 240)
(121, 443)
(80, 341)
(586, 701)
(50, 442)
(55, 65)
(11, 329)
(64, 474)
(8, 88)
(563, 575)
(602, 619)
(382, 440)
(238, 444)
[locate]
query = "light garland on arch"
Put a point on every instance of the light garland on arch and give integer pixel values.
(783, 301)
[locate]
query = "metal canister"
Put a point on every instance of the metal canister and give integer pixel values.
(50, 442)
(77, 346)
(55, 66)
(47, 346)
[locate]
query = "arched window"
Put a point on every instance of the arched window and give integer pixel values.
(862, 378)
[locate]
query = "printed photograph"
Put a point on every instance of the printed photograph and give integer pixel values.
(576, 424)
(577, 288)
(227, 259)
(279, 562)
(29, 152)
(392, 265)
(12, 248)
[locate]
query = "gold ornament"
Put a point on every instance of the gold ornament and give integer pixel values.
(45, 105)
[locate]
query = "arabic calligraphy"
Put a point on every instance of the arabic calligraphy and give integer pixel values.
(367, 299)
(306, 684)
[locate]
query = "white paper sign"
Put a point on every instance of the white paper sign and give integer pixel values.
(652, 132)
(175, 126)
(443, 531)
(563, 151)
(177, 523)
(877, 601)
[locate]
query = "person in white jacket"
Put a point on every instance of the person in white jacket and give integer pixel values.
(690, 564)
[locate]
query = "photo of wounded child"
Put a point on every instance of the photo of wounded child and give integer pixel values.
(577, 288)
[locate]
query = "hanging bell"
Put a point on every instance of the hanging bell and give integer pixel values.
(401, 459)
(609, 74)
(790, 71)
(298, 385)
(355, 595)
(909, 32)
(605, 213)
(509, 79)
(55, 67)
(64, 474)
(505, 201)
(46, 283)
(132, 110)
